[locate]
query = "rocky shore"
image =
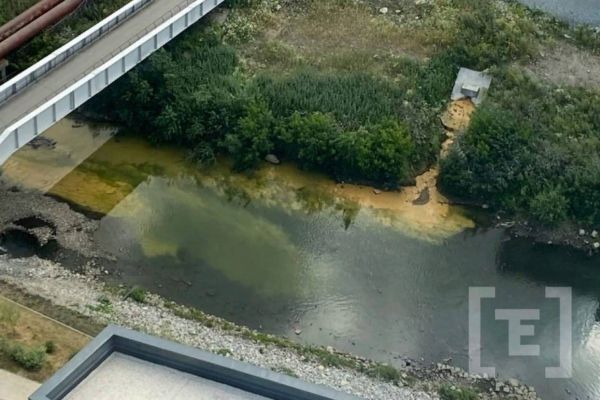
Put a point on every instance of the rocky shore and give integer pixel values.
(569, 235)
(85, 294)
(78, 288)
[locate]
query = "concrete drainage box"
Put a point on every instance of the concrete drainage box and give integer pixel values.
(124, 364)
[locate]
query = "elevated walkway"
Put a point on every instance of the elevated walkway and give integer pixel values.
(51, 89)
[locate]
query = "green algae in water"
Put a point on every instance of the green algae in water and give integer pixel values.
(177, 223)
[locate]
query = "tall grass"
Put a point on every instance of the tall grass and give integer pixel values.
(355, 99)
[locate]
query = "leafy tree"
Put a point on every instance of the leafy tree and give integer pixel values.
(252, 139)
(549, 207)
(485, 163)
(310, 139)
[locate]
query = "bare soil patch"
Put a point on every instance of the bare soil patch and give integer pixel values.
(567, 65)
(33, 330)
(333, 35)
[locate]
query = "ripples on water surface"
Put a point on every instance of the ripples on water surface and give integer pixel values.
(281, 257)
(577, 11)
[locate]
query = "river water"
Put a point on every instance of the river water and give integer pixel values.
(284, 251)
(575, 11)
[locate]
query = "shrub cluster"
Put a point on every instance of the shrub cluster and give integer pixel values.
(354, 126)
(138, 294)
(31, 359)
(532, 148)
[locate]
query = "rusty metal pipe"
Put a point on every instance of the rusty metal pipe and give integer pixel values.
(26, 17)
(48, 19)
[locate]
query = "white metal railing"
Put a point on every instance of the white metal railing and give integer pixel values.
(115, 52)
(85, 85)
(40, 68)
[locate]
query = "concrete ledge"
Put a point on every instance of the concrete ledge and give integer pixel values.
(236, 374)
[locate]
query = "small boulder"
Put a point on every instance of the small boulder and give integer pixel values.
(272, 158)
(423, 198)
(383, 10)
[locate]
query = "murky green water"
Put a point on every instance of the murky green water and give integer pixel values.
(279, 252)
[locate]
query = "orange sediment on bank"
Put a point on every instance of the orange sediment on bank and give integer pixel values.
(455, 119)
(117, 167)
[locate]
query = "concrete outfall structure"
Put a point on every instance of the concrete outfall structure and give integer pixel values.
(471, 85)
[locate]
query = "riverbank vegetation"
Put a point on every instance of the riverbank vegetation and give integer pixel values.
(352, 125)
(356, 89)
(13, 8)
(532, 148)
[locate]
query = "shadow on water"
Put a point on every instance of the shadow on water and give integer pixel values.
(551, 265)
(196, 284)
(19, 243)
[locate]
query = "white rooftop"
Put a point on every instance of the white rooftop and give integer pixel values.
(122, 377)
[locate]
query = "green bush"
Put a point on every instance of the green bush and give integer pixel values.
(448, 392)
(549, 207)
(487, 37)
(138, 294)
(30, 359)
(533, 149)
(487, 162)
(310, 139)
(252, 139)
(384, 372)
(380, 153)
(50, 347)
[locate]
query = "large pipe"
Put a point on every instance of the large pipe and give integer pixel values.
(29, 31)
(26, 17)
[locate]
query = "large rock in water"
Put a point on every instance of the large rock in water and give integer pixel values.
(423, 198)
(272, 158)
